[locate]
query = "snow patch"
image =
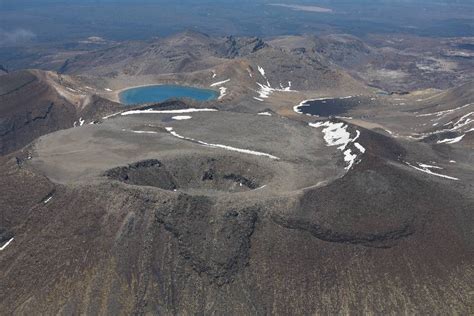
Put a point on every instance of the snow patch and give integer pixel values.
(360, 147)
(463, 121)
(230, 148)
(81, 122)
(357, 136)
(423, 165)
(172, 132)
(460, 123)
(451, 140)
(191, 110)
(336, 134)
(144, 132)
(245, 151)
(220, 83)
(181, 117)
(440, 113)
(6, 244)
(111, 115)
(265, 90)
(426, 169)
(349, 158)
(223, 92)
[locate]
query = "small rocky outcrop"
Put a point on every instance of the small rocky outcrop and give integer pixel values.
(241, 46)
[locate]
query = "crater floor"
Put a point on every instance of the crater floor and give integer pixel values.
(256, 151)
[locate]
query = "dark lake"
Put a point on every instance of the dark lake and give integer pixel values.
(160, 93)
(329, 107)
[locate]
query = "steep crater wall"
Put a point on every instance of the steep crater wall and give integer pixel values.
(193, 174)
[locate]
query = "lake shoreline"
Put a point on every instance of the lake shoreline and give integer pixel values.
(152, 93)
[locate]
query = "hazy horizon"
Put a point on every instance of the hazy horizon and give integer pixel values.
(47, 21)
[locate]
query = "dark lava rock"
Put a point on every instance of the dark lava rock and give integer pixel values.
(220, 174)
(215, 241)
(240, 46)
(144, 173)
(375, 205)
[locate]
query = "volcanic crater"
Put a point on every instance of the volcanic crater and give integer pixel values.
(194, 174)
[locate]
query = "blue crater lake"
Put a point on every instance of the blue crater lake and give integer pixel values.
(160, 93)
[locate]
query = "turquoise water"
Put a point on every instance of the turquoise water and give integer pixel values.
(160, 93)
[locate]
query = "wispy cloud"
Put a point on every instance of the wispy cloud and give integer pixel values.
(16, 36)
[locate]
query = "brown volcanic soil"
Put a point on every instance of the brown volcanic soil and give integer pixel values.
(120, 249)
(107, 219)
(196, 59)
(110, 235)
(30, 106)
(394, 62)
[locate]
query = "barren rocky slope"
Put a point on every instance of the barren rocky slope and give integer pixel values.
(130, 218)
(184, 52)
(34, 103)
(393, 63)
(238, 206)
(193, 57)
